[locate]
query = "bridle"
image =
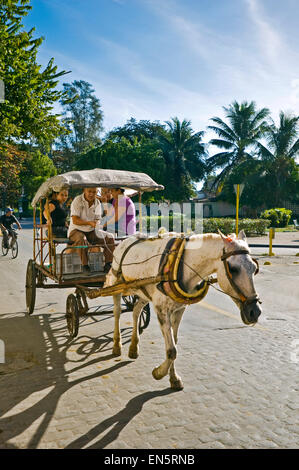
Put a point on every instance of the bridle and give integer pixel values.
(243, 298)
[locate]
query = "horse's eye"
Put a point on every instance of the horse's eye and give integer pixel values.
(234, 269)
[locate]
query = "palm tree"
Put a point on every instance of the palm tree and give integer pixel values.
(184, 154)
(246, 125)
(280, 170)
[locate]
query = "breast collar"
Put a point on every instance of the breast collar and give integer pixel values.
(171, 265)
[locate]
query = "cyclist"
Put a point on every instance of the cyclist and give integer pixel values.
(6, 222)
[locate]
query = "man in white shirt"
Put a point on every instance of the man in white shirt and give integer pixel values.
(85, 213)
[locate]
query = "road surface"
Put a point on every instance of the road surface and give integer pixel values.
(241, 383)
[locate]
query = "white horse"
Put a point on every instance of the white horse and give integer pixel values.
(228, 257)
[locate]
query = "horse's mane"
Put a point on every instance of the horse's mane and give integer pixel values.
(204, 236)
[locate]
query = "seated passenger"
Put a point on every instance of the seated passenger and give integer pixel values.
(58, 214)
(122, 215)
(85, 214)
(106, 199)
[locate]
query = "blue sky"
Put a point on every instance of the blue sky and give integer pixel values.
(156, 59)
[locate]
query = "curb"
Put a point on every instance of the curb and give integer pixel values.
(256, 245)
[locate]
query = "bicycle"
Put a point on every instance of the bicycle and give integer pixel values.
(12, 244)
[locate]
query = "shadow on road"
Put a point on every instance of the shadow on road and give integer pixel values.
(37, 350)
(119, 420)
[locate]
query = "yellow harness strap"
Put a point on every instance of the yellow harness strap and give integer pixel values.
(171, 286)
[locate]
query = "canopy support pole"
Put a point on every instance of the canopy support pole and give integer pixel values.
(140, 212)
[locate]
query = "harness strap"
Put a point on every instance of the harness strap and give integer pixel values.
(232, 283)
(118, 273)
(171, 267)
(232, 253)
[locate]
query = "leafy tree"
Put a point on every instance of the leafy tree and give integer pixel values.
(173, 157)
(184, 154)
(238, 137)
(280, 171)
(139, 155)
(272, 176)
(30, 92)
(253, 195)
(38, 169)
(11, 164)
(83, 119)
(133, 129)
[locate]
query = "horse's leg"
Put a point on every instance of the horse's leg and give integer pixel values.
(165, 325)
(116, 336)
(134, 349)
(175, 318)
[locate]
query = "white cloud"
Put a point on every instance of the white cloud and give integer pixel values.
(270, 41)
(226, 67)
(295, 91)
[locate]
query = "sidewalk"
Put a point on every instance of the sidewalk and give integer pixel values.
(290, 239)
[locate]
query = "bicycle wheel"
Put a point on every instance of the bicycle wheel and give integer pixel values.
(4, 250)
(14, 249)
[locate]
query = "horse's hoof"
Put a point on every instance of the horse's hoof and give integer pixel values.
(116, 351)
(177, 385)
(156, 374)
(133, 353)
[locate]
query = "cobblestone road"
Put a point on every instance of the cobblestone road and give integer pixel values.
(241, 383)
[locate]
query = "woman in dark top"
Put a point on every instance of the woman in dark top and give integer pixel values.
(58, 214)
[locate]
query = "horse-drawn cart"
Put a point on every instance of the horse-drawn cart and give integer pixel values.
(54, 264)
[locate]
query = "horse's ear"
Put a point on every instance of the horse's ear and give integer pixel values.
(242, 236)
(226, 239)
(221, 234)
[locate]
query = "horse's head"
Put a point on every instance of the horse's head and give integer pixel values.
(235, 276)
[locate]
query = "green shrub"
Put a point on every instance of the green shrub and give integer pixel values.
(171, 222)
(209, 225)
(226, 225)
(278, 217)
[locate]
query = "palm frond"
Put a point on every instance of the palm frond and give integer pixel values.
(294, 150)
(221, 143)
(224, 127)
(219, 160)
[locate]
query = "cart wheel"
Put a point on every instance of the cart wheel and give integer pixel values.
(130, 301)
(145, 314)
(144, 318)
(15, 249)
(4, 250)
(72, 315)
(30, 286)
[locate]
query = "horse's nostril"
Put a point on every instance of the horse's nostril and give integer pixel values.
(254, 314)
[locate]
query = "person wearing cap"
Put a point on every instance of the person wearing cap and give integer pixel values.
(85, 214)
(6, 222)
